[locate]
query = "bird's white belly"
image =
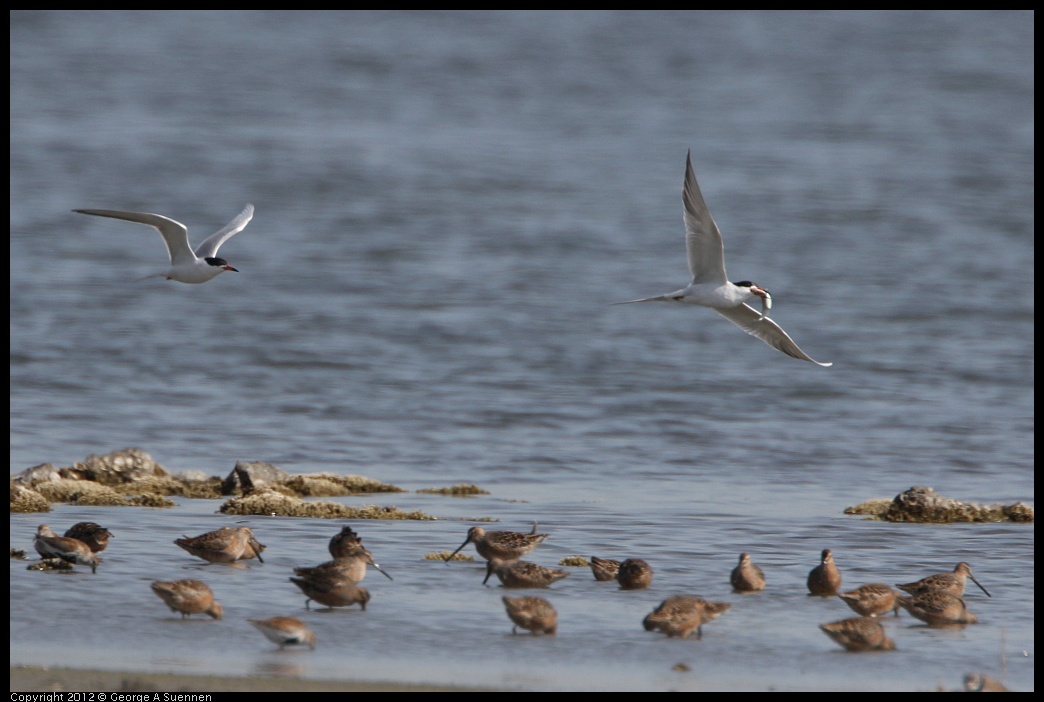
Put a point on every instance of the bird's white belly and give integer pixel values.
(710, 296)
(194, 273)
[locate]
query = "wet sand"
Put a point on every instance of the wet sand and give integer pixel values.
(39, 679)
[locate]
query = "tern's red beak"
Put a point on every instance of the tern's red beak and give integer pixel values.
(766, 299)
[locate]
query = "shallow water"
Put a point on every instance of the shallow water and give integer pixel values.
(446, 204)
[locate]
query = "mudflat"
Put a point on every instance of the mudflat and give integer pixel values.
(40, 679)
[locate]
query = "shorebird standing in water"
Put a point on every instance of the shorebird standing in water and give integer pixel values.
(872, 600)
(500, 545)
(50, 545)
(350, 558)
(978, 682)
(950, 583)
(681, 615)
(285, 631)
(535, 614)
(188, 597)
(96, 537)
(604, 569)
(353, 567)
(523, 574)
(859, 634)
(333, 588)
(747, 576)
(224, 545)
(825, 579)
(634, 574)
(938, 608)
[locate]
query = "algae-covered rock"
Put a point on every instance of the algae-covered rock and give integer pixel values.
(42, 473)
(333, 485)
(461, 490)
(445, 556)
(25, 500)
(871, 508)
(131, 477)
(1018, 512)
(209, 488)
(272, 502)
(47, 564)
(149, 500)
(73, 490)
(123, 466)
(251, 475)
(924, 505)
(86, 492)
(575, 561)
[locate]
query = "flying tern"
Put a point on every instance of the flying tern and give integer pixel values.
(186, 266)
(711, 288)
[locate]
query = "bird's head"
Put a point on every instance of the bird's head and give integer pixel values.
(219, 263)
(758, 291)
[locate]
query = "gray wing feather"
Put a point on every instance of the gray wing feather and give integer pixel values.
(209, 247)
(702, 238)
(749, 320)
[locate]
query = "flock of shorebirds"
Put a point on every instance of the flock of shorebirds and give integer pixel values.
(937, 600)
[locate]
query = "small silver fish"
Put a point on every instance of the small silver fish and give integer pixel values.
(766, 304)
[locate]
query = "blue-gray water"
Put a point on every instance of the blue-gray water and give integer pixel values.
(446, 205)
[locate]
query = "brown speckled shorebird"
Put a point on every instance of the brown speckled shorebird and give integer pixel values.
(859, 634)
(253, 550)
(188, 597)
(285, 631)
(50, 545)
(680, 615)
(524, 574)
(950, 583)
(979, 682)
(353, 567)
(502, 545)
(634, 574)
(350, 558)
(346, 544)
(534, 614)
(224, 545)
(825, 579)
(96, 537)
(872, 600)
(604, 569)
(938, 608)
(747, 576)
(332, 588)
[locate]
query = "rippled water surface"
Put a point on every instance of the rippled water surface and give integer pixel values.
(446, 204)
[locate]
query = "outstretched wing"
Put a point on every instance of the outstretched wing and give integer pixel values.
(702, 238)
(750, 320)
(209, 247)
(174, 234)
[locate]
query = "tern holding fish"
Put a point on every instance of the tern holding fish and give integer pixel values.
(711, 288)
